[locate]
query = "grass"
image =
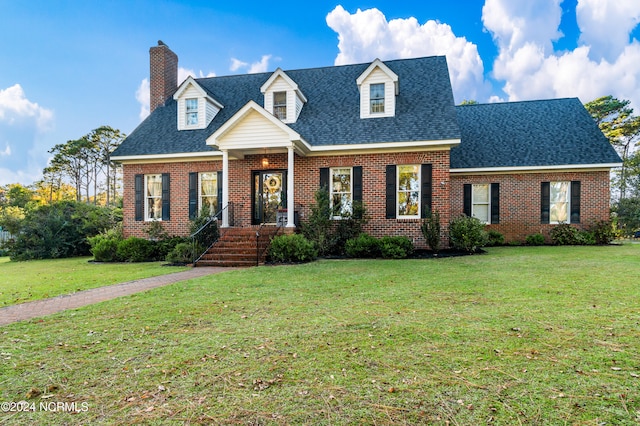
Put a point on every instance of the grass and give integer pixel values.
(33, 280)
(526, 335)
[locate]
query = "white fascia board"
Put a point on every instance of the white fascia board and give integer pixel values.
(386, 146)
(377, 63)
(537, 169)
(191, 81)
(149, 158)
(280, 73)
(238, 116)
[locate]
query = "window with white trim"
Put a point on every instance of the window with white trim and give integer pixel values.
(280, 105)
(481, 204)
(191, 111)
(341, 191)
(408, 192)
(559, 202)
(153, 197)
(376, 98)
(208, 191)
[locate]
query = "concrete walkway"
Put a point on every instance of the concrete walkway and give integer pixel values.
(39, 308)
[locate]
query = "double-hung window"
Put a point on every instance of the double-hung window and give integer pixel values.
(208, 192)
(376, 98)
(191, 108)
(153, 197)
(559, 196)
(280, 105)
(341, 191)
(480, 205)
(408, 193)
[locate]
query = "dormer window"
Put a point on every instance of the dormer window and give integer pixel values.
(377, 98)
(191, 107)
(378, 87)
(280, 105)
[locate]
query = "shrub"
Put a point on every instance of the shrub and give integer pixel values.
(494, 238)
(603, 232)
(535, 239)
(155, 231)
(163, 247)
(104, 249)
(467, 233)
(585, 238)
(431, 230)
(134, 249)
(397, 247)
(347, 227)
(564, 235)
(363, 246)
(317, 228)
(291, 248)
(60, 230)
(182, 253)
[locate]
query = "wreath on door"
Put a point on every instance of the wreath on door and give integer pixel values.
(273, 183)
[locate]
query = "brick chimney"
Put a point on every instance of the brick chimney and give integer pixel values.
(163, 74)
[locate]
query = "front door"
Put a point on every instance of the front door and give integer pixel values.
(269, 195)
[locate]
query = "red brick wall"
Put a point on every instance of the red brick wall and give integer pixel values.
(519, 193)
(307, 181)
(520, 199)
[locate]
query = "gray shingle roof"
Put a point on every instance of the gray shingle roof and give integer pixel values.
(552, 132)
(424, 109)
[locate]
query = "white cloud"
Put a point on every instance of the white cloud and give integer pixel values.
(6, 152)
(261, 66)
(14, 107)
(366, 35)
(530, 68)
(236, 64)
(143, 96)
(606, 26)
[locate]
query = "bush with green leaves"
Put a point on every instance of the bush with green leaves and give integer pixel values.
(494, 238)
(182, 253)
(603, 232)
(61, 230)
(467, 234)
(134, 249)
(430, 228)
(535, 239)
(564, 234)
(291, 248)
(363, 246)
(330, 235)
(396, 247)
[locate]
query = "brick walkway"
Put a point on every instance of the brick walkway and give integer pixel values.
(39, 308)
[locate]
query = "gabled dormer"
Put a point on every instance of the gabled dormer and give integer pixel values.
(378, 87)
(196, 108)
(282, 97)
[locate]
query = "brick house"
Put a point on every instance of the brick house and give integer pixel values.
(256, 147)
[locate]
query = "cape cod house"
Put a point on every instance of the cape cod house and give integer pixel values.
(256, 147)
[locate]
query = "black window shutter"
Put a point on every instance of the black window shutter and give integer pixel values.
(466, 197)
(324, 178)
(166, 197)
(219, 182)
(545, 201)
(426, 186)
(138, 188)
(575, 201)
(495, 203)
(356, 187)
(193, 195)
(391, 191)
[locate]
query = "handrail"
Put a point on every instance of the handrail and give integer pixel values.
(279, 227)
(212, 219)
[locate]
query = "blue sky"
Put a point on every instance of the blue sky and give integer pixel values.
(67, 67)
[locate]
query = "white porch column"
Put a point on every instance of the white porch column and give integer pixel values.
(225, 189)
(290, 203)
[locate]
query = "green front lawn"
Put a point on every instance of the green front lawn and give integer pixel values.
(526, 335)
(38, 279)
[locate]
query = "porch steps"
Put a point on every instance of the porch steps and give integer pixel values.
(239, 247)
